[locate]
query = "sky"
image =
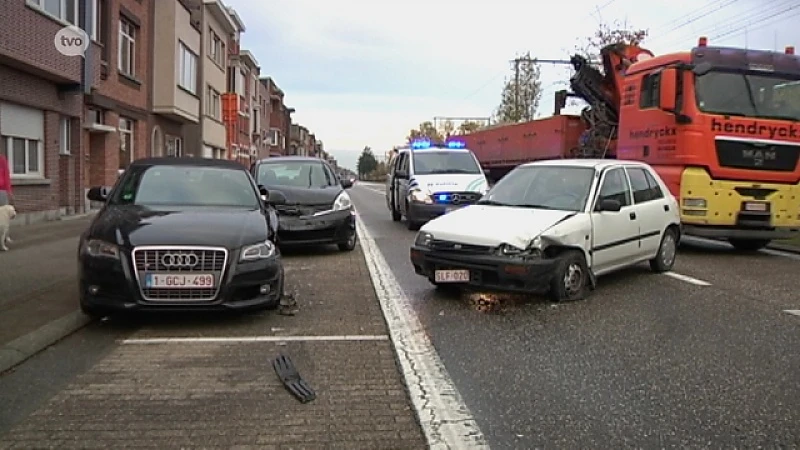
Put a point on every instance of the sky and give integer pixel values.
(363, 73)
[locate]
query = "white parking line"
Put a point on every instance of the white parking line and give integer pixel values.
(794, 312)
(173, 340)
(445, 418)
(687, 279)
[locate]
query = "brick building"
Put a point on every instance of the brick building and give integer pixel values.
(40, 109)
(117, 106)
(280, 119)
(243, 73)
(176, 88)
(262, 138)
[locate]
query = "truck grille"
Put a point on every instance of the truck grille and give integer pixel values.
(207, 260)
(757, 156)
(456, 247)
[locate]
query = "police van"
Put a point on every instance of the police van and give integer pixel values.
(426, 180)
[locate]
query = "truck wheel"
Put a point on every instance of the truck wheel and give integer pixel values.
(570, 277)
(665, 258)
(749, 245)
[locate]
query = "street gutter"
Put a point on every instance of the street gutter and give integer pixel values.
(24, 347)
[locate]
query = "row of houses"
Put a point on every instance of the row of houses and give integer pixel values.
(158, 78)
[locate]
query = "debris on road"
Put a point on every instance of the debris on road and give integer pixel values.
(290, 378)
(491, 302)
(288, 305)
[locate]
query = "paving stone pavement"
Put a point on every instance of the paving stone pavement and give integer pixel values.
(227, 395)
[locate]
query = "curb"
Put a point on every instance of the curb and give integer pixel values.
(784, 248)
(23, 347)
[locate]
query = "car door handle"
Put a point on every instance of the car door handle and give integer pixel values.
(666, 208)
(633, 216)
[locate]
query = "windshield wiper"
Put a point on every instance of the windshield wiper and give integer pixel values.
(455, 171)
(779, 117)
(532, 206)
(491, 203)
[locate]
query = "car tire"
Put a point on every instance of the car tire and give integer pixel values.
(413, 225)
(665, 258)
(93, 312)
(570, 278)
(350, 244)
(396, 216)
(749, 245)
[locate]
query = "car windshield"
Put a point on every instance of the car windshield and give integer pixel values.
(176, 185)
(749, 95)
(301, 174)
(428, 162)
(544, 187)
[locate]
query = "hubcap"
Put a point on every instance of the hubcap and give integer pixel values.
(668, 250)
(573, 278)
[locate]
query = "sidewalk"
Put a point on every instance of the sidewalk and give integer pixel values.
(38, 297)
(215, 387)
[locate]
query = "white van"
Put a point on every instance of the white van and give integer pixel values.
(427, 180)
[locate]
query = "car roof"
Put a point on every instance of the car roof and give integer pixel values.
(291, 159)
(597, 164)
(434, 149)
(181, 161)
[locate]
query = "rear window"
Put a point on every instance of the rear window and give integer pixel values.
(301, 174)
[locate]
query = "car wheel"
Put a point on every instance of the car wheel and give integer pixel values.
(413, 225)
(570, 277)
(749, 245)
(665, 258)
(349, 244)
(93, 312)
(396, 216)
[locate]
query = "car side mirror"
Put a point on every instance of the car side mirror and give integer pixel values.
(346, 183)
(401, 174)
(98, 193)
(609, 205)
(276, 198)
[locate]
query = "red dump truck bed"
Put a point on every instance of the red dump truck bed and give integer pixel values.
(511, 145)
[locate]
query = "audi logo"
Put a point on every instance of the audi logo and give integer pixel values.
(180, 260)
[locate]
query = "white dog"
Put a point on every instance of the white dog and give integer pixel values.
(7, 214)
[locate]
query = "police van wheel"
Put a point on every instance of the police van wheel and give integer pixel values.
(413, 225)
(396, 216)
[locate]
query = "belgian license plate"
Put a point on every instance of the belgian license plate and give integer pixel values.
(451, 276)
(179, 281)
(756, 206)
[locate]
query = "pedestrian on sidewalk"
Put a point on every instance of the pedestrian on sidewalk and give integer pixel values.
(6, 194)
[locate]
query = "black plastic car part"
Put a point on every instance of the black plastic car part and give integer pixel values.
(290, 378)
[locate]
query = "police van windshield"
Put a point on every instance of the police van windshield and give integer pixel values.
(432, 162)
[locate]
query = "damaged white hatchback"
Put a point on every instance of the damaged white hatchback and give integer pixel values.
(553, 225)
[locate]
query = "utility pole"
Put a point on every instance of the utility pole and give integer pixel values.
(516, 87)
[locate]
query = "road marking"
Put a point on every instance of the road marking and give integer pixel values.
(687, 279)
(172, 340)
(444, 417)
(794, 312)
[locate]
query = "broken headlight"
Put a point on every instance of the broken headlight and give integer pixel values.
(534, 250)
(423, 239)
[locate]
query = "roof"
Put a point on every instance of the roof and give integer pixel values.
(291, 158)
(221, 14)
(433, 149)
(197, 162)
(587, 162)
(247, 55)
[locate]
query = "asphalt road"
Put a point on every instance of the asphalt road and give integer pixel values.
(705, 356)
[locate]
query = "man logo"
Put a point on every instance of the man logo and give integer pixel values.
(758, 157)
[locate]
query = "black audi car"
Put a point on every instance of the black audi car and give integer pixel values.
(318, 210)
(183, 234)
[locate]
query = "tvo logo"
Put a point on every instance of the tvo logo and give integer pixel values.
(71, 41)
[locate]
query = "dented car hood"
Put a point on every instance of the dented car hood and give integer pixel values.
(494, 225)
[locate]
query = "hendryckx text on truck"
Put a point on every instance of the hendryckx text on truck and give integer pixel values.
(720, 125)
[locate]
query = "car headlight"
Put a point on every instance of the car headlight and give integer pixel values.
(100, 249)
(418, 196)
(423, 239)
(534, 250)
(255, 252)
(342, 202)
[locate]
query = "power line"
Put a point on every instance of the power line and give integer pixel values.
(747, 27)
(673, 24)
(483, 86)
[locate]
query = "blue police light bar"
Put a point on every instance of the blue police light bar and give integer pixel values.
(442, 197)
(456, 144)
(418, 144)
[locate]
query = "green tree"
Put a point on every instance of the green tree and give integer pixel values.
(425, 130)
(607, 34)
(366, 162)
(469, 126)
(521, 93)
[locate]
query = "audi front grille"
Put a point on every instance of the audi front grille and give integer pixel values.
(181, 261)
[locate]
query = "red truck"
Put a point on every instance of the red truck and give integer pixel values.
(720, 125)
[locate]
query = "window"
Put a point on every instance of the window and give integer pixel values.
(65, 137)
(188, 69)
(431, 162)
(66, 10)
(650, 93)
(274, 137)
(25, 157)
(97, 20)
(127, 47)
(96, 116)
(216, 48)
(644, 186)
(615, 187)
(213, 103)
(126, 127)
(296, 174)
(174, 146)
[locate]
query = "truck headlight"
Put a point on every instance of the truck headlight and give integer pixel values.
(342, 202)
(420, 197)
(101, 249)
(259, 251)
(694, 202)
(423, 239)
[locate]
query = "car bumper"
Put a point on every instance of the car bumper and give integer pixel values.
(423, 212)
(331, 228)
(486, 272)
(114, 286)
